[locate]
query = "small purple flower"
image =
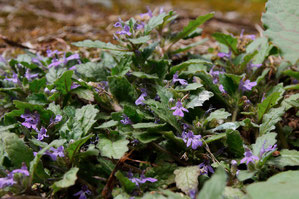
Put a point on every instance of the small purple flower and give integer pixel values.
(176, 79)
(179, 109)
(263, 97)
(23, 170)
(250, 65)
(42, 134)
(54, 153)
(221, 88)
(140, 180)
(30, 76)
(192, 194)
(246, 85)
(46, 90)
(9, 181)
(140, 99)
(270, 149)
(249, 157)
(139, 26)
(126, 120)
(31, 120)
(191, 139)
(225, 55)
(119, 23)
(53, 53)
(56, 120)
(55, 63)
(205, 167)
(14, 78)
(124, 31)
(83, 192)
(148, 13)
(75, 85)
(252, 37)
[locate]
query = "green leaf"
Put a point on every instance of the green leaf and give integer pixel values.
(68, 179)
(115, 148)
(283, 185)
(215, 186)
(245, 175)
(234, 143)
(286, 158)
(186, 178)
(198, 100)
(122, 89)
(5, 129)
(147, 125)
(230, 82)
(127, 184)
(227, 40)
(219, 114)
(268, 103)
(263, 48)
(108, 124)
(154, 22)
(232, 193)
(215, 137)
(35, 162)
(267, 139)
(144, 75)
(270, 119)
(17, 151)
(185, 64)
(93, 71)
(85, 118)
(54, 73)
(37, 84)
(163, 112)
(280, 20)
(292, 73)
(63, 83)
(189, 87)
(226, 126)
(84, 93)
(146, 137)
(192, 26)
(98, 44)
(291, 101)
(74, 147)
(140, 40)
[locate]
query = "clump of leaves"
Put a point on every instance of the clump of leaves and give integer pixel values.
(153, 120)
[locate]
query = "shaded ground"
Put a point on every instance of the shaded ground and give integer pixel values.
(43, 24)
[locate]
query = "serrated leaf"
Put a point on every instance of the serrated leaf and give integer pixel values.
(37, 84)
(234, 143)
(140, 40)
(122, 89)
(113, 148)
(68, 179)
(198, 100)
(192, 26)
(17, 151)
(215, 186)
(267, 104)
(286, 158)
(267, 139)
(185, 64)
(84, 93)
(189, 87)
(154, 22)
(108, 124)
(280, 20)
(283, 185)
(227, 40)
(270, 119)
(98, 44)
(186, 178)
(93, 71)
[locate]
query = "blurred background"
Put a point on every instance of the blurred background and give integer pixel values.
(42, 24)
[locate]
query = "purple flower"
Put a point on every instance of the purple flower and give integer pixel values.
(30, 76)
(46, 90)
(249, 157)
(252, 37)
(55, 63)
(83, 192)
(263, 97)
(179, 109)
(53, 53)
(192, 194)
(191, 139)
(14, 78)
(270, 148)
(119, 23)
(124, 31)
(225, 55)
(56, 120)
(54, 153)
(139, 26)
(215, 74)
(221, 88)
(31, 120)
(126, 120)
(42, 134)
(75, 85)
(140, 99)
(205, 167)
(246, 85)
(176, 79)
(148, 13)
(9, 181)
(250, 65)
(140, 180)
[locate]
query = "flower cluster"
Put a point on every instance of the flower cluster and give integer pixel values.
(9, 179)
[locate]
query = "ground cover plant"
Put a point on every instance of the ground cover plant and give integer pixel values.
(152, 119)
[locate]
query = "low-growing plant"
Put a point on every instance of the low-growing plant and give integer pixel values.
(153, 120)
